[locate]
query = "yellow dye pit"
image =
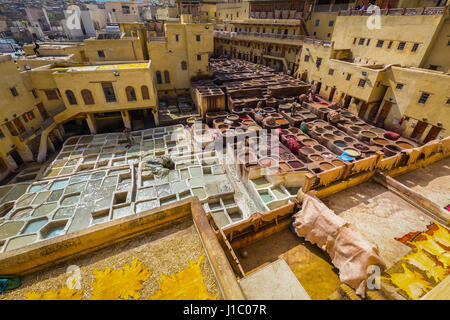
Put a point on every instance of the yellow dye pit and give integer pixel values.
(119, 284)
(187, 284)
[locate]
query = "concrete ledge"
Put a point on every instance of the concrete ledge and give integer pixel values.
(48, 253)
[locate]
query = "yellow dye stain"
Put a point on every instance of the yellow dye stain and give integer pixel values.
(411, 282)
(442, 235)
(61, 294)
(123, 66)
(435, 249)
(421, 260)
(187, 284)
(119, 284)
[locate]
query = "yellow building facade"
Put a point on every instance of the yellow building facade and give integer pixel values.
(395, 76)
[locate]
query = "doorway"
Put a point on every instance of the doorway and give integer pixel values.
(432, 134)
(332, 91)
(384, 113)
(16, 156)
(418, 130)
(318, 86)
(347, 100)
(363, 109)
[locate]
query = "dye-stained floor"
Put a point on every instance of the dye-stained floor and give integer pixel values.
(311, 266)
(380, 216)
(168, 264)
(432, 181)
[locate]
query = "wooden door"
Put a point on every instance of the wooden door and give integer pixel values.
(432, 134)
(363, 109)
(418, 130)
(384, 113)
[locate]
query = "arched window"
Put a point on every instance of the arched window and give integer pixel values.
(166, 76)
(158, 77)
(87, 96)
(183, 65)
(145, 94)
(131, 94)
(71, 97)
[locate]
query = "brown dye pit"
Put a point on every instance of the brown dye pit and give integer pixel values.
(380, 141)
(377, 130)
(355, 128)
(326, 165)
(319, 148)
(309, 142)
(404, 145)
(284, 166)
(337, 162)
(315, 157)
(329, 136)
(307, 150)
(368, 134)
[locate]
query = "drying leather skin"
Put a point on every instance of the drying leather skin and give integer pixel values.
(348, 250)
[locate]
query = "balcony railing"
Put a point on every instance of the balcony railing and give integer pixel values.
(397, 12)
(226, 34)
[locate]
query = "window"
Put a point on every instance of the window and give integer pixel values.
(71, 97)
(198, 38)
(1, 134)
(199, 57)
(125, 9)
(317, 23)
(87, 97)
(361, 41)
(349, 76)
(19, 125)
(33, 91)
(361, 83)
(44, 114)
(368, 41)
(51, 94)
(108, 90)
(415, 47)
(177, 38)
(14, 91)
(101, 53)
(145, 94)
(424, 98)
(331, 23)
(166, 77)
(25, 118)
(448, 101)
(318, 62)
(433, 67)
(399, 86)
(12, 130)
(401, 45)
(183, 65)
(131, 94)
(390, 44)
(354, 40)
(380, 43)
(330, 72)
(158, 77)
(306, 58)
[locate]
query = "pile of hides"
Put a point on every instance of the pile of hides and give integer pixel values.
(160, 166)
(391, 135)
(348, 250)
(334, 117)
